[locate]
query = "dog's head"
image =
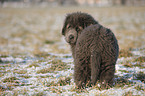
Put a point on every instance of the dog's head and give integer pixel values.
(74, 24)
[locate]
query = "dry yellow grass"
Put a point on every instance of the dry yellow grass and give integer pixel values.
(27, 29)
(30, 37)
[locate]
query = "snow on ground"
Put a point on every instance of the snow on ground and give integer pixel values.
(18, 77)
(36, 61)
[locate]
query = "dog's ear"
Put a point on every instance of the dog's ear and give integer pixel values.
(63, 31)
(65, 27)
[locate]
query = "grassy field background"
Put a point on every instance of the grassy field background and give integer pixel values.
(36, 60)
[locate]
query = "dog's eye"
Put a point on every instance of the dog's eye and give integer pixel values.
(77, 29)
(68, 26)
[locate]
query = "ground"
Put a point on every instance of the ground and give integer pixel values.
(35, 59)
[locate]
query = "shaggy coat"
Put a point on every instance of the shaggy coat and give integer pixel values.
(95, 51)
(75, 20)
(78, 19)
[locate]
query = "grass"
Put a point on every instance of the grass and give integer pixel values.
(55, 90)
(43, 30)
(39, 94)
(2, 89)
(26, 76)
(141, 76)
(10, 79)
(123, 83)
(56, 65)
(124, 71)
(39, 36)
(74, 89)
(129, 93)
(140, 59)
(130, 64)
(125, 53)
(5, 65)
(22, 91)
(49, 42)
(59, 65)
(20, 71)
(135, 62)
(61, 82)
(140, 88)
(33, 65)
(11, 83)
(47, 76)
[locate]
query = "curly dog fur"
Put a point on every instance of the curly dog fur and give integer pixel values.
(94, 49)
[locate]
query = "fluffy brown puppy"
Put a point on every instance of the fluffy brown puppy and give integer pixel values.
(94, 49)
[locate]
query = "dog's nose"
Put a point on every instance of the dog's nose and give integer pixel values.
(71, 37)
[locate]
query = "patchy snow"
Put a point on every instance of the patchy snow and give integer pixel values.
(35, 83)
(22, 35)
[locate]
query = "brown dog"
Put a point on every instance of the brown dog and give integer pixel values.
(94, 49)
